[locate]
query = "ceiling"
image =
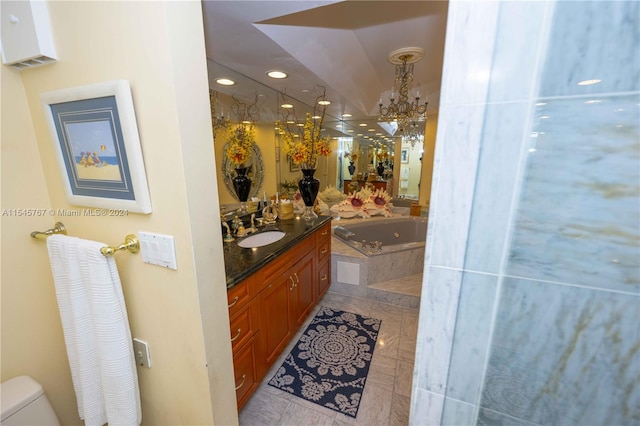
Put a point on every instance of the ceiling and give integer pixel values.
(340, 45)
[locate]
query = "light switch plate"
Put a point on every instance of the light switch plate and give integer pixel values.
(158, 249)
(141, 352)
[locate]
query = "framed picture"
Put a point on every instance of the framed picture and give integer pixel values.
(404, 156)
(95, 137)
(293, 167)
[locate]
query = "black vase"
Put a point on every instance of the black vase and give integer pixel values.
(242, 184)
(351, 168)
(309, 187)
(380, 169)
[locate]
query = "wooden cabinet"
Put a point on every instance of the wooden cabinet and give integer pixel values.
(277, 328)
(303, 295)
(323, 260)
(266, 309)
(243, 323)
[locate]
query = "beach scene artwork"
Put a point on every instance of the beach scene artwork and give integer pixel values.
(92, 144)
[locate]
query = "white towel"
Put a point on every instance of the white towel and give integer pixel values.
(96, 332)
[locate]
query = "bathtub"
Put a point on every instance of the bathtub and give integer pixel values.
(384, 236)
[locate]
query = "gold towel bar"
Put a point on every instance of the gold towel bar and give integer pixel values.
(131, 243)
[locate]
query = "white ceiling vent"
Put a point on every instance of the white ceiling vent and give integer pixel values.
(26, 34)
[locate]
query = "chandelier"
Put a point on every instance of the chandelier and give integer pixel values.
(402, 110)
(414, 133)
(217, 122)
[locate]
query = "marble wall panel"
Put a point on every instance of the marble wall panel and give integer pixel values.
(593, 40)
(577, 220)
(461, 127)
(565, 355)
(516, 51)
(503, 137)
(457, 413)
(468, 59)
(436, 327)
(472, 337)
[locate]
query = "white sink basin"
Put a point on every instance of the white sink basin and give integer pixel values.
(262, 239)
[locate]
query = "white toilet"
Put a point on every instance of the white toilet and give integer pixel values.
(24, 403)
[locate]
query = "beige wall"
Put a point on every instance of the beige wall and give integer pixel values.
(159, 48)
(427, 158)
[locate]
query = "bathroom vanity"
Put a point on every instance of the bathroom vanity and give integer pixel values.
(271, 290)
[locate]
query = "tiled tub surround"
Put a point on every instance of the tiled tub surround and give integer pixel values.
(532, 294)
(394, 277)
(380, 237)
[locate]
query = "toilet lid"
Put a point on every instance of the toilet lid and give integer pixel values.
(18, 392)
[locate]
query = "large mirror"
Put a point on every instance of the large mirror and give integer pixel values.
(364, 153)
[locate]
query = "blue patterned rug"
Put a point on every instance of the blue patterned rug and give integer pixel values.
(330, 362)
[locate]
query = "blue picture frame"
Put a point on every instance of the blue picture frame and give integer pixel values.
(96, 141)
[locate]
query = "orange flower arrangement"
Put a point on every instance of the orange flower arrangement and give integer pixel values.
(305, 144)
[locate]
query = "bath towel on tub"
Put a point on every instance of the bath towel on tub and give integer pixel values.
(96, 332)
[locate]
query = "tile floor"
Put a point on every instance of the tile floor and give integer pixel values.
(387, 391)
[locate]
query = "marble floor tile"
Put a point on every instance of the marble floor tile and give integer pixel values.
(382, 372)
(399, 410)
(296, 414)
(385, 312)
(409, 326)
(387, 345)
(263, 409)
(404, 377)
(407, 349)
(375, 408)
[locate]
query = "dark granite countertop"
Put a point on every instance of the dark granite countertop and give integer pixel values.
(239, 263)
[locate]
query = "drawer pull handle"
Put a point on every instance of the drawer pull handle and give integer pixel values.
(324, 277)
(244, 376)
(324, 232)
(232, 304)
(233, 339)
(323, 251)
(297, 279)
(292, 283)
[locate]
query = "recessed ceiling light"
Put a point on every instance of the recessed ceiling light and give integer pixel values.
(347, 115)
(300, 124)
(544, 117)
(593, 101)
(277, 74)
(372, 130)
(286, 106)
(316, 117)
(338, 125)
(245, 122)
(225, 82)
(290, 122)
(324, 102)
(362, 124)
(350, 131)
(541, 104)
(588, 82)
(305, 90)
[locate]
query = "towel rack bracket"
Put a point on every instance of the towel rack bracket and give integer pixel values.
(131, 244)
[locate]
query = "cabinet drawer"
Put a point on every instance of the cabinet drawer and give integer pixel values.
(323, 277)
(323, 251)
(244, 367)
(243, 325)
(323, 233)
(239, 295)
